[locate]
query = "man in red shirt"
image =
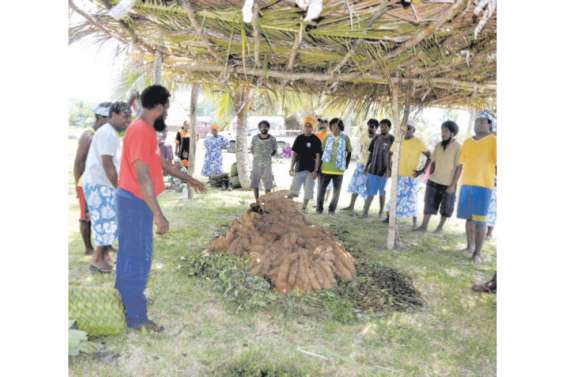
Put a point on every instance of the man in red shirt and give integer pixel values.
(140, 182)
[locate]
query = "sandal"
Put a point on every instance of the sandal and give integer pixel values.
(150, 326)
(93, 268)
(484, 288)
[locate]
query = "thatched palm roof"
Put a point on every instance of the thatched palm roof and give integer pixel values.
(438, 51)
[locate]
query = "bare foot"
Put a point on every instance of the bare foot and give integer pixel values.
(438, 231)
(88, 251)
(420, 229)
(468, 249)
(348, 208)
(476, 258)
(363, 215)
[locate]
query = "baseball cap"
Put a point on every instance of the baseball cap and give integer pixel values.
(102, 109)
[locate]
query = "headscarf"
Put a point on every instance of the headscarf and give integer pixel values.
(491, 118)
(310, 120)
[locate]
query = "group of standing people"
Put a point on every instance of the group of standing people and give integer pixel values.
(118, 183)
(326, 158)
(119, 179)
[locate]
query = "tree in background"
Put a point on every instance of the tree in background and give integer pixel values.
(80, 113)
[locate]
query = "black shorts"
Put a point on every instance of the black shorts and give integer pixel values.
(437, 198)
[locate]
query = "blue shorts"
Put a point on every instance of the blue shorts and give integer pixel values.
(474, 203)
(376, 184)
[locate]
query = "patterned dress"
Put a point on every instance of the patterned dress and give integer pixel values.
(358, 184)
(213, 158)
(406, 197)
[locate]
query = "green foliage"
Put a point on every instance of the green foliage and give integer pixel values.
(376, 288)
(80, 113)
(255, 364)
(78, 341)
(231, 279)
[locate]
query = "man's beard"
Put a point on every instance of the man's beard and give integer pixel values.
(159, 124)
(264, 131)
(444, 143)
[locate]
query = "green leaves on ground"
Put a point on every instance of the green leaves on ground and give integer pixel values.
(78, 341)
(376, 288)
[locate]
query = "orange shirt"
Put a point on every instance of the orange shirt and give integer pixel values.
(140, 143)
(322, 135)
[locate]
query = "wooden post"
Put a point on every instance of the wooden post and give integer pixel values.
(195, 89)
(241, 104)
(393, 238)
(158, 67)
(194, 92)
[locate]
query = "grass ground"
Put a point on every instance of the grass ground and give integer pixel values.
(454, 334)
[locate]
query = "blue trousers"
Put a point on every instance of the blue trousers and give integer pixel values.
(135, 235)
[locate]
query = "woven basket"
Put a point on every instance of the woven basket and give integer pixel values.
(98, 311)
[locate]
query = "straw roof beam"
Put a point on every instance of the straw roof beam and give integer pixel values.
(297, 41)
(378, 13)
(426, 32)
(349, 77)
(95, 23)
(192, 16)
(135, 38)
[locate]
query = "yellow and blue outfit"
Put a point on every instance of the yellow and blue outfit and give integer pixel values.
(478, 158)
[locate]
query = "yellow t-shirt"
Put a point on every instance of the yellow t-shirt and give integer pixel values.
(479, 161)
(364, 142)
(410, 154)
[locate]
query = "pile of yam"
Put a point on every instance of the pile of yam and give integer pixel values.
(285, 248)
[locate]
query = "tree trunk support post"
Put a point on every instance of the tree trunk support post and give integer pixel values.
(158, 68)
(241, 104)
(194, 91)
(393, 238)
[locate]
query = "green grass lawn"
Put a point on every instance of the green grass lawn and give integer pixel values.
(453, 334)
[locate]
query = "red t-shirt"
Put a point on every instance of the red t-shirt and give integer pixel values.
(140, 143)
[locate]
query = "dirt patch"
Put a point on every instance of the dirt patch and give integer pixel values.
(283, 247)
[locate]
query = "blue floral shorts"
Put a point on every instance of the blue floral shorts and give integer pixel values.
(101, 201)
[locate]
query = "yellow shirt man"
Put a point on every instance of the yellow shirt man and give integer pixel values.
(364, 141)
(410, 154)
(478, 158)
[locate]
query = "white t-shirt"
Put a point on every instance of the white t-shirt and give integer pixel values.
(105, 142)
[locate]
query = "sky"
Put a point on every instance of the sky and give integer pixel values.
(93, 70)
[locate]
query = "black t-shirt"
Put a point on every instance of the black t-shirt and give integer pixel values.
(306, 148)
(379, 155)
